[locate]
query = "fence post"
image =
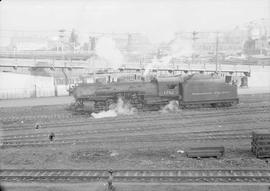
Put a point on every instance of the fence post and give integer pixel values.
(35, 93)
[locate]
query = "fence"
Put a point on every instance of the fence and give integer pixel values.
(14, 85)
(28, 92)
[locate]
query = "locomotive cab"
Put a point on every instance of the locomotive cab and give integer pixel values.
(169, 87)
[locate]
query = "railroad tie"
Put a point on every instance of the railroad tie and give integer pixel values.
(179, 173)
(171, 173)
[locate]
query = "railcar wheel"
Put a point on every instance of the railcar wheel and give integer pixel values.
(227, 104)
(234, 103)
(139, 106)
(100, 105)
(109, 103)
(181, 106)
(88, 106)
(214, 105)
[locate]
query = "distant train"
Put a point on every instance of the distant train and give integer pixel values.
(192, 90)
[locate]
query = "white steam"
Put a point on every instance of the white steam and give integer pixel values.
(181, 48)
(120, 108)
(103, 114)
(172, 106)
(156, 63)
(148, 68)
(106, 49)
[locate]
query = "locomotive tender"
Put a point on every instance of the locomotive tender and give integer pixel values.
(195, 89)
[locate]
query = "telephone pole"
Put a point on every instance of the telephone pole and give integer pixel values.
(217, 43)
(194, 38)
(61, 38)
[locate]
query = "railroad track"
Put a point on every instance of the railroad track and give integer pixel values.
(138, 118)
(60, 115)
(134, 129)
(164, 175)
(36, 117)
(254, 99)
(131, 139)
(9, 115)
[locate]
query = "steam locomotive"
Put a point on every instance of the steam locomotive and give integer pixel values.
(192, 90)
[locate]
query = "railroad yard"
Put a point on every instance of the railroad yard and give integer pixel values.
(135, 146)
(135, 95)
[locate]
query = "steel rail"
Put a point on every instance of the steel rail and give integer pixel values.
(120, 175)
(132, 129)
(35, 117)
(128, 139)
(12, 111)
(18, 118)
(137, 118)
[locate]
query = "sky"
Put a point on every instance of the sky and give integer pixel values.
(159, 19)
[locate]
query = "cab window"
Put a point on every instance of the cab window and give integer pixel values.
(171, 86)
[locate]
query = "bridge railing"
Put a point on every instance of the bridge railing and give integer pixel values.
(46, 54)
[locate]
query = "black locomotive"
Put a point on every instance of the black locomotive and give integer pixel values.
(192, 90)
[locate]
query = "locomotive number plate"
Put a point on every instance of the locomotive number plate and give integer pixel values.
(169, 92)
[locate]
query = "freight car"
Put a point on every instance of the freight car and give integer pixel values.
(192, 90)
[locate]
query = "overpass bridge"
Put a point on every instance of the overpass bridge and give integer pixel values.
(67, 55)
(42, 63)
(15, 63)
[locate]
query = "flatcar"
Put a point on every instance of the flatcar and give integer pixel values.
(192, 90)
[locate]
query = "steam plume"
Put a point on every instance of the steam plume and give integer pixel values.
(181, 48)
(120, 108)
(172, 106)
(107, 50)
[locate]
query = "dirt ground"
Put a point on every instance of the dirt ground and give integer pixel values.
(135, 187)
(36, 101)
(141, 148)
(139, 157)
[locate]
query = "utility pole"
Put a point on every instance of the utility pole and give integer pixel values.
(194, 38)
(61, 38)
(89, 44)
(217, 43)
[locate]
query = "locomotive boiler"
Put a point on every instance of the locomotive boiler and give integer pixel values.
(192, 90)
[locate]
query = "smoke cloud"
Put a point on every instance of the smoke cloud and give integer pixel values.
(149, 67)
(107, 50)
(178, 48)
(172, 106)
(181, 48)
(157, 63)
(103, 114)
(120, 108)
